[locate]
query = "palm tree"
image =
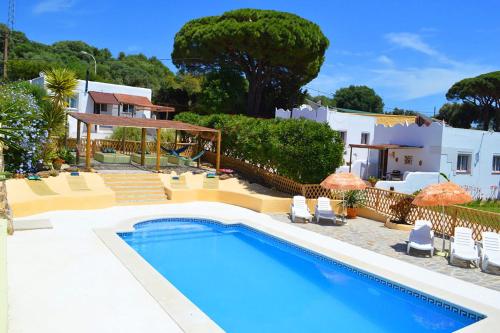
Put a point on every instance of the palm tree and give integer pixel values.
(61, 83)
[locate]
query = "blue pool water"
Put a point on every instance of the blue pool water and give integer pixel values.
(248, 281)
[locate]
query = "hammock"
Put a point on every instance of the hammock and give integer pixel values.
(175, 152)
(191, 159)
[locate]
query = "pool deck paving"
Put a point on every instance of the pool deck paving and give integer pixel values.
(374, 236)
(65, 279)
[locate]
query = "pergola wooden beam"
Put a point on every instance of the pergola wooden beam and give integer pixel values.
(144, 124)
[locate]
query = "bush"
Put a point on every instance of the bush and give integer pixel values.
(24, 132)
(134, 134)
(300, 149)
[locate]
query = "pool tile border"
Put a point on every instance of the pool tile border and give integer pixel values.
(436, 301)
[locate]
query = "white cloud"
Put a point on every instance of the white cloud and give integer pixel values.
(411, 83)
(385, 60)
(53, 6)
(410, 41)
(416, 43)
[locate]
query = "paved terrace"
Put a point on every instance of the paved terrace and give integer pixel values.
(375, 237)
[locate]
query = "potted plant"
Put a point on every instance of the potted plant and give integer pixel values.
(372, 180)
(353, 200)
(57, 163)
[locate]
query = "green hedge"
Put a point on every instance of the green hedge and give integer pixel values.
(300, 149)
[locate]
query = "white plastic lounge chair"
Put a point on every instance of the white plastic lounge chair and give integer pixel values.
(299, 209)
(324, 210)
(490, 250)
(421, 237)
(463, 247)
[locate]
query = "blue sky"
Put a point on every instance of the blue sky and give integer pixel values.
(410, 52)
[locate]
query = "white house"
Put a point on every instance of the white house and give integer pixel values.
(110, 99)
(408, 153)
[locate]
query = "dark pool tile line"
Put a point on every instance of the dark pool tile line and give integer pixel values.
(409, 291)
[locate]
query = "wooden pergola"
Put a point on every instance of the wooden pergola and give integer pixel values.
(143, 123)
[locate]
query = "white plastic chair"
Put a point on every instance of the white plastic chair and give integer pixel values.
(324, 210)
(421, 237)
(490, 250)
(463, 247)
(299, 209)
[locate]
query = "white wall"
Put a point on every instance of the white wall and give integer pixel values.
(482, 146)
(414, 181)
(426, 159)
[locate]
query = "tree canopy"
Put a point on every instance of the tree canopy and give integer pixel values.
(456, 115)
(275, 51)
(360, 98)
(480, 94)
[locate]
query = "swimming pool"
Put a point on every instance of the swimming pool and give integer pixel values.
(248, 281)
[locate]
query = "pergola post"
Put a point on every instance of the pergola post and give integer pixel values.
(87, 150)
(143, 146)
(217, 160)
(175, 141)
(198, 162)
(123, 140)
(350, 160)
(158, 148)
(78, 129)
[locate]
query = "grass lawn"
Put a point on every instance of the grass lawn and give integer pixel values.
(490, 206)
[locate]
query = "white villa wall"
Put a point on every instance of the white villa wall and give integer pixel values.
(482, 146)
(425, 159)
(86, 104)
(353, 125)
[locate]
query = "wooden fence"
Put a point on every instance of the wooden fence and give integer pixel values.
(391, 204)
(129, 147)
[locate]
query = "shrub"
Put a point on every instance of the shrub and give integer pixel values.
(134, 134)
(26, 135)
(300, 149)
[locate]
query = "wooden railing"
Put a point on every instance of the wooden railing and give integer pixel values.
(129, 147)
(392, 204)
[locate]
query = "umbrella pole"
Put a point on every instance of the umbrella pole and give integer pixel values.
(442, 252)
(442, 226)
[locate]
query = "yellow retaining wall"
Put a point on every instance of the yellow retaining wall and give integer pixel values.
(24, 201)
(3, 276)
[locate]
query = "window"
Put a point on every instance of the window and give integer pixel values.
(463, 163)
(365, 138)
(343, 135)
(496, 164)
(408, 159)
(98, 108)
(72, 102)
(128, 108)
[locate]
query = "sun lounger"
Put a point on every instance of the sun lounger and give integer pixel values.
(211, 182)
(77, 183)
(324, 210)
(39, 187)
(178, 182)
(421, 237)
(112, 158)
(463, 247)
(299, 209)
(490, 250)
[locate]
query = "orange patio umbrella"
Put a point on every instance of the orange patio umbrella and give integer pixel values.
(443, 194)
(343, 182)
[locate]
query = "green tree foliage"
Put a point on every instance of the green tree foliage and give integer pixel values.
(398, 111)
(222, 92)
(324, 100)
(29, 58)
(300, 149)
(269, 48)
(482, 95)
(456, 115)
(360, 98)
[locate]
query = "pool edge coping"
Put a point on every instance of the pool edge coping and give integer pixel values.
(190, 318)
